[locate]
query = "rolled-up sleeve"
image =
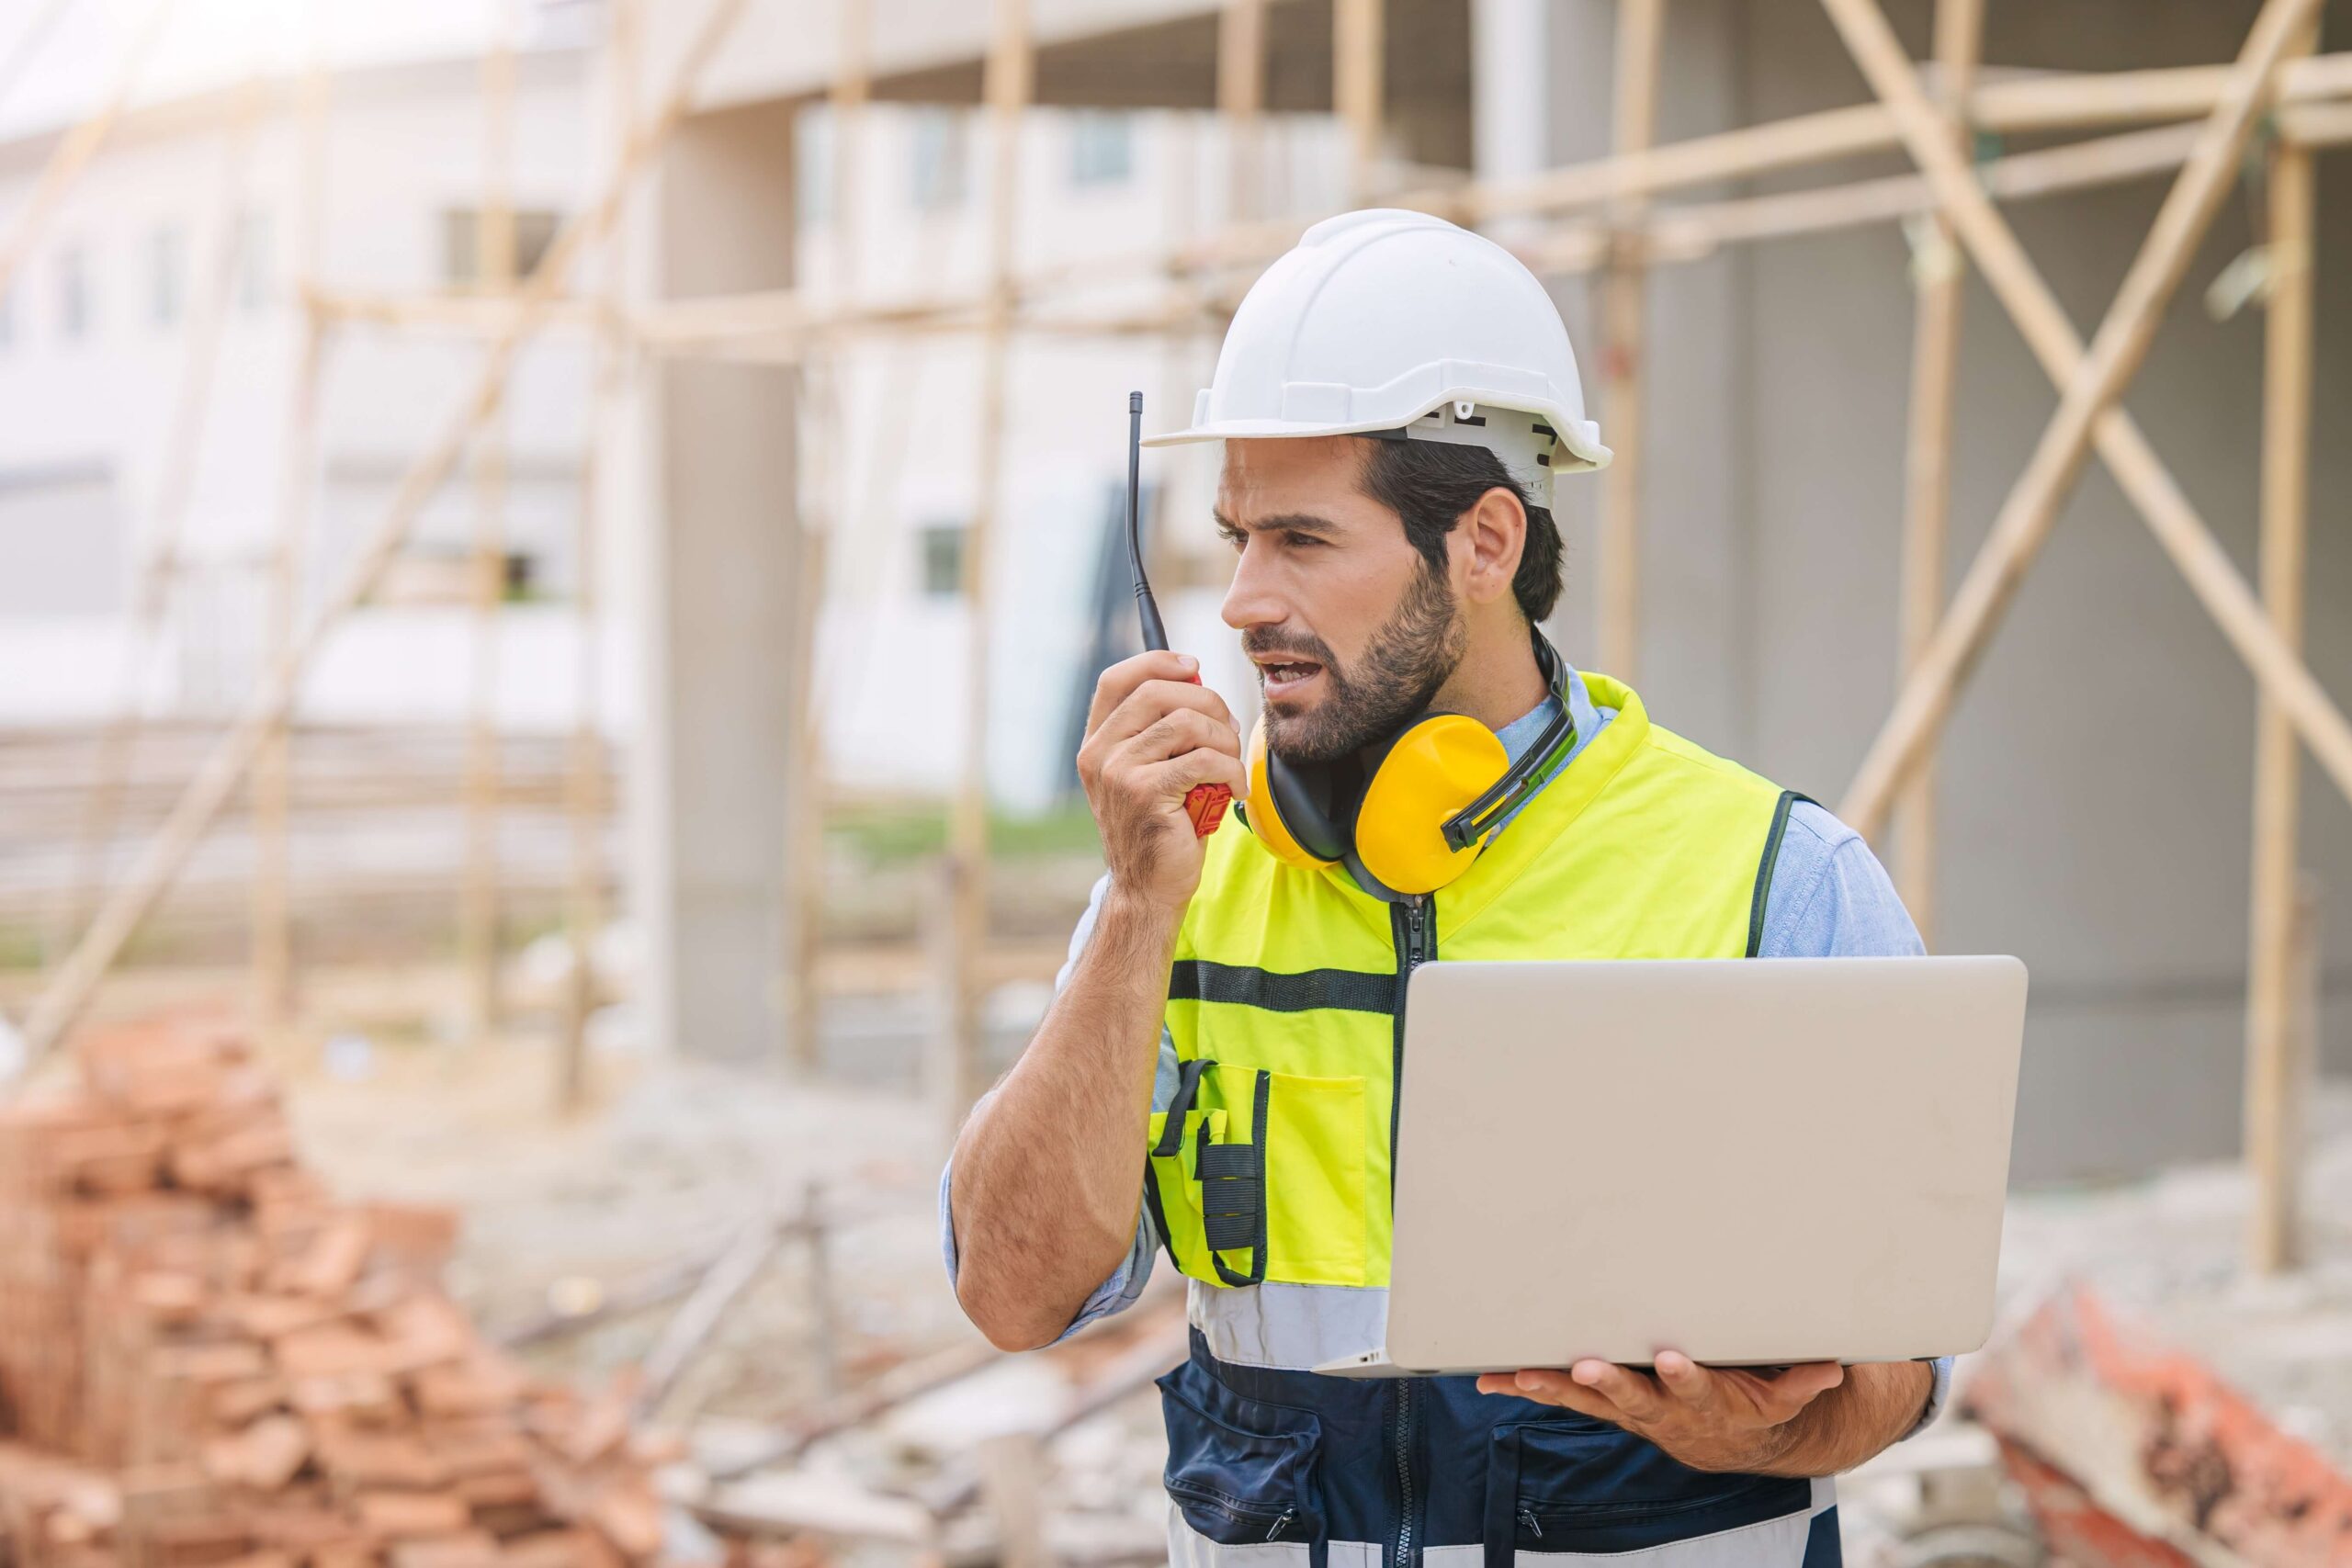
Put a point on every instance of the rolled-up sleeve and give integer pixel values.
(1831, 898)
(1126, 1283)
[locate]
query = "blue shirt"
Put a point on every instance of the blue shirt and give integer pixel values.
(1828, 898)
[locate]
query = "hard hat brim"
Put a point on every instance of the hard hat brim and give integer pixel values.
(1584, 452)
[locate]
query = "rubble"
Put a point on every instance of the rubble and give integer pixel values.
(208, 1360)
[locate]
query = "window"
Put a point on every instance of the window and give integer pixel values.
(256, 274)
(939, 160)
(1102, 147)
(167, 275)
(535, 230)
(941, 545)
(73, 306)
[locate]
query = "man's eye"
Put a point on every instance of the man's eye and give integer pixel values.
(1233, 537)
(1302, 541)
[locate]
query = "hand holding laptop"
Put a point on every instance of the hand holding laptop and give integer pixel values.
(1710, 1418)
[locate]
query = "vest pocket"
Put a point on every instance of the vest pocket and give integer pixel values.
(1556, 1490)
(1315, 1180)
(1236, 1487)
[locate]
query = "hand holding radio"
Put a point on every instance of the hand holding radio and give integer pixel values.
(1155, 737)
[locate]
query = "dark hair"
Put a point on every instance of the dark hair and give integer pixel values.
(1430, 484)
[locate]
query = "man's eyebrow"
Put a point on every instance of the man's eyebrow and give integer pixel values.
(1285, 522)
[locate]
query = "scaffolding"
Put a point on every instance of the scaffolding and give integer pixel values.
(1610, 216)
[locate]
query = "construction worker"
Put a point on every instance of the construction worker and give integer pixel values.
(1427, 778)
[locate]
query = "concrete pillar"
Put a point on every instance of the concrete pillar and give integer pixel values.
(1510, 99)
(716, 602)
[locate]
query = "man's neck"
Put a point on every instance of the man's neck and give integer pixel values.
(1498, 679)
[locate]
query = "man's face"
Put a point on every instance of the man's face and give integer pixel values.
(1351, 631)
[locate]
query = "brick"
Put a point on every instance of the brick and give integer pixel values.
(265, 1455)
(408, 1514)
(630, 1518)
(467, 1549)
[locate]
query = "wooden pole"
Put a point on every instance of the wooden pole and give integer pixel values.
(2086, 411)
(273, 909)
(161, 565)
(1010, 80)
(1359, 49)
(495, 260)
(1939, 273)
(584, 803)
(1240, 103)
(2272, 1158)
(825, 390)
(1625, 307)
(77, 148)
(224, 767)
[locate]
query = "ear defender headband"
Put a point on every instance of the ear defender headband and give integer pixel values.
(1416, 812)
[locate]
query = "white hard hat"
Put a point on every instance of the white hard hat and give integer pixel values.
(1384, 320)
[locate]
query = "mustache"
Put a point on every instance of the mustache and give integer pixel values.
(1260, 643)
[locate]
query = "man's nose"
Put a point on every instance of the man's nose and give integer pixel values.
(1252, 599)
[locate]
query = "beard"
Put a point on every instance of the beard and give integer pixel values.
(1413, 654)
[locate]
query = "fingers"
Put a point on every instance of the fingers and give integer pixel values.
(1119, 683)
(1205, 764)
(1801, 1385)
(1171, 735)
(1628, 1390)
(1155, 700)
(1688, 1382)
(1554, 1388)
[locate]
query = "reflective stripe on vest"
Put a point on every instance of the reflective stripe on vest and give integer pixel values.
(1269, 1176)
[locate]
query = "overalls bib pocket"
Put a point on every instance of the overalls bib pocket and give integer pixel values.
(1241, 1479)
(1557, 1494)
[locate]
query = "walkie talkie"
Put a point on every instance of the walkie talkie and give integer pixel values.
(1205, 804)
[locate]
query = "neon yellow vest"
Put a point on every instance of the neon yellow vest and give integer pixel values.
(1286, 999)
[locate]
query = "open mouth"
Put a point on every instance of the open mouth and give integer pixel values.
(1286, 679)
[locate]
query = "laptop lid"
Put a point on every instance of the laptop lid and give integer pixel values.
(1754, 1162)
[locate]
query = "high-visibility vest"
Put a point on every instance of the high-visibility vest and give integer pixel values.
(1268, 1179)
(1285, 1005)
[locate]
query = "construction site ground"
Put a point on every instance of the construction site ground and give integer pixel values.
(674, 1160)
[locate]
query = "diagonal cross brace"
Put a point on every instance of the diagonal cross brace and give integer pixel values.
(2090, 383)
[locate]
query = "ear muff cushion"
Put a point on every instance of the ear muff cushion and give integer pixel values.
(1435, 769)
(1270, 818)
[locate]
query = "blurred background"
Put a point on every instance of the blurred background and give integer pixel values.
(553, 552)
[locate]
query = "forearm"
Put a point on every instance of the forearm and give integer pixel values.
(1048, 1172)
(1877, 1404)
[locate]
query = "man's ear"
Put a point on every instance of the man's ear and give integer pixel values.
(1492, 534)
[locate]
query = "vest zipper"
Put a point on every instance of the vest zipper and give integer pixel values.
(1413, 925)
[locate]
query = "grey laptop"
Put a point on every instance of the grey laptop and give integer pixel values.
(1752, 1162)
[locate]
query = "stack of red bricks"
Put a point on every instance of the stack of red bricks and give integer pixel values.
(204, 1359)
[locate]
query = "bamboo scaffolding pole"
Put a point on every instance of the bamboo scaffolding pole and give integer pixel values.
(77, 148)
(161, 565)
(1240, 104)
(585, 809)
(62, 1001)
(1009, 82)
(1939, 275)
(1359, 50)
(824, 390)
(2086, 411)
(495, 260)
(2274, 1238)
(1624, 312)
(273, 907)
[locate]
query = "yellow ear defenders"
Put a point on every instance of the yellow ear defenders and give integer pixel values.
(1416, 811)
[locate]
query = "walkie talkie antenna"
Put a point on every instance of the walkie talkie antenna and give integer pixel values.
(1205, 804)
(1154, 634)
